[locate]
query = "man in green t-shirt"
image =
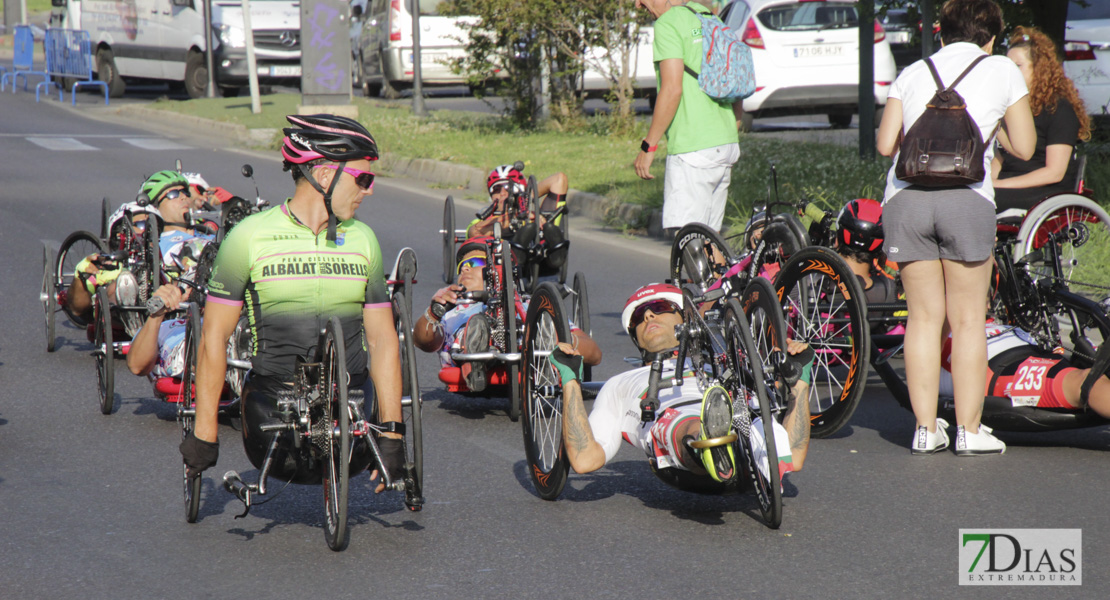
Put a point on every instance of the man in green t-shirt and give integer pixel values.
(701, 132)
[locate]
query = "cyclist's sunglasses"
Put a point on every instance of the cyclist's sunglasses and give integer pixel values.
(658, 307)
(476, 262)
(170, 195)
(363, 179)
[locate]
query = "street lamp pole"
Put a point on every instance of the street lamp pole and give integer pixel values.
(418, 107)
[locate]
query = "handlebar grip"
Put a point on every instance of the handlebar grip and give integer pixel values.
(154, 305)
(487, 211)
(815, 213)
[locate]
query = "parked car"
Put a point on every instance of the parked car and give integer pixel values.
(384, 56)
(806, 55)
(1087, 54)
(903, 35)
(643, 68)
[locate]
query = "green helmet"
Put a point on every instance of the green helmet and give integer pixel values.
(158, 183)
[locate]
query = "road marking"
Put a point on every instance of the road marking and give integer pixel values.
(154, 143)
(59, 143)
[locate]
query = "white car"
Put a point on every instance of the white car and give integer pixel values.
(806, 55)
(1087, 54)
(643, 68)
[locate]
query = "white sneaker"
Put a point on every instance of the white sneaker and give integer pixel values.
(930, 443)
(976, 444)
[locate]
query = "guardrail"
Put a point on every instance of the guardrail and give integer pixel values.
(22, 63)
(69, 60)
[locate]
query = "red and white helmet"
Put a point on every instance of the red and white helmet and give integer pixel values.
(646, 294)
(506, 173)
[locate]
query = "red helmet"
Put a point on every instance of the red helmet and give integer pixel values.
(860, 225)
(648, 293)
(507, 173)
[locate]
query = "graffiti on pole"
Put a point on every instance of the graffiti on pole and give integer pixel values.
(326, 55)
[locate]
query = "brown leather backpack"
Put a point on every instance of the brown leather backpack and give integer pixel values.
(943, 147)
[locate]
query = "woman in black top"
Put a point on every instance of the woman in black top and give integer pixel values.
(1060, 119)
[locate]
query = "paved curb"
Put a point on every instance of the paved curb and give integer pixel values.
(593, 206)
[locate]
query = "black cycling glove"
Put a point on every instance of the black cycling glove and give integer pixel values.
(393, 457)
(569, 365)
(199, 454)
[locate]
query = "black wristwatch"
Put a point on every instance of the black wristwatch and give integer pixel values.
(438, 310)
(644, 147)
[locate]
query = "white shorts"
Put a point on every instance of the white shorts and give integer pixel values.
(695, 186)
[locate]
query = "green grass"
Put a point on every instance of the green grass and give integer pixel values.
(593, 160)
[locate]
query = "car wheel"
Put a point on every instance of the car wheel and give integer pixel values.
(106, 71)
(196, 75)
(840, 120)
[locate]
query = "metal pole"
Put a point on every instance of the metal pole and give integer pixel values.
(23, 11)
(866, 80)
(210, 92)
(252, 65)
(418, 107)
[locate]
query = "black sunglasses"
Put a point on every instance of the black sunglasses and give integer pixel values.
(657, 307)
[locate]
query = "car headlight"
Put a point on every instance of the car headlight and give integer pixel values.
(232, 36)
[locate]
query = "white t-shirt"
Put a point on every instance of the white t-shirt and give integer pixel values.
(616, 412)
(993, 86)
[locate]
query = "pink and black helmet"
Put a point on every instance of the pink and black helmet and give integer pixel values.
(330, 137)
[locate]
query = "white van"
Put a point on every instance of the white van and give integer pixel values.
(643, 68)
(164, 40)
(384, 57)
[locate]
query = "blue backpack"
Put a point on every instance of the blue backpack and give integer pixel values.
(727, 72)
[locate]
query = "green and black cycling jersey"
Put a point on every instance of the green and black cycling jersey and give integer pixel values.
(292, 281)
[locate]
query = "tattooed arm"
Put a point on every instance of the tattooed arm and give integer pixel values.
(584, 452)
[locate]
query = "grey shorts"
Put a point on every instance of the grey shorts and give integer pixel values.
(931, 224)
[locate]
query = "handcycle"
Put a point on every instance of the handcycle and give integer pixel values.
(506, 307)
(822, 300)
(720, 349)
(524, 211)
(1032, 293)
(320, 435)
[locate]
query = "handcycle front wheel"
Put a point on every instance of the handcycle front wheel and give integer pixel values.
(542, 425)
(508, 300)
(49, 297)
(337, 420)
(104, 351)
(1082, 258)
(449, 240)
(695, 249)
(580, 315)
(411, 404)
(73, 250)
(187, 409)
(748, 382)
(825, 307)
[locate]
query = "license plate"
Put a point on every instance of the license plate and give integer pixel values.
(898, 37)
(285, 71)
(818, 50)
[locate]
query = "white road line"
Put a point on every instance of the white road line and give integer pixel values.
(154, 143)
(59, 143)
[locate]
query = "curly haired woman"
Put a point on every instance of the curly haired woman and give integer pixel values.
(1060, 119)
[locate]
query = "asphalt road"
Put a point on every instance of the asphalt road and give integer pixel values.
(90, 505)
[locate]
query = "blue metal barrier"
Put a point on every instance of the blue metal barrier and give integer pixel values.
(69, 57)
(24, 45)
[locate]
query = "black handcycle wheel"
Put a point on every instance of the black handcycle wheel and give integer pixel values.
(104, 213)
(691, 252)
(580, 314)
(152, 277)
(748, 381)
(545, 326)
(104, 352)
(534, 256)
(761, 307)
(449, 240)
(187, 409)
(564, 225)
(824, 306)
(49, 297)
(508, 300)
(337, 419)
(410, 403)
(406, 272)
(73, 250)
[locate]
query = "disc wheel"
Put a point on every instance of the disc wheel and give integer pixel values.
(508, 300)
(449, 240)
(104, 213)
(186, 411)
(49, 296)
(699, 256)
(104, 352)
(580, 315)
(748, 384)
(411, 404)
(545, 326)
(337, 418)
(535, 245)
(825, 307)
(73, 250)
